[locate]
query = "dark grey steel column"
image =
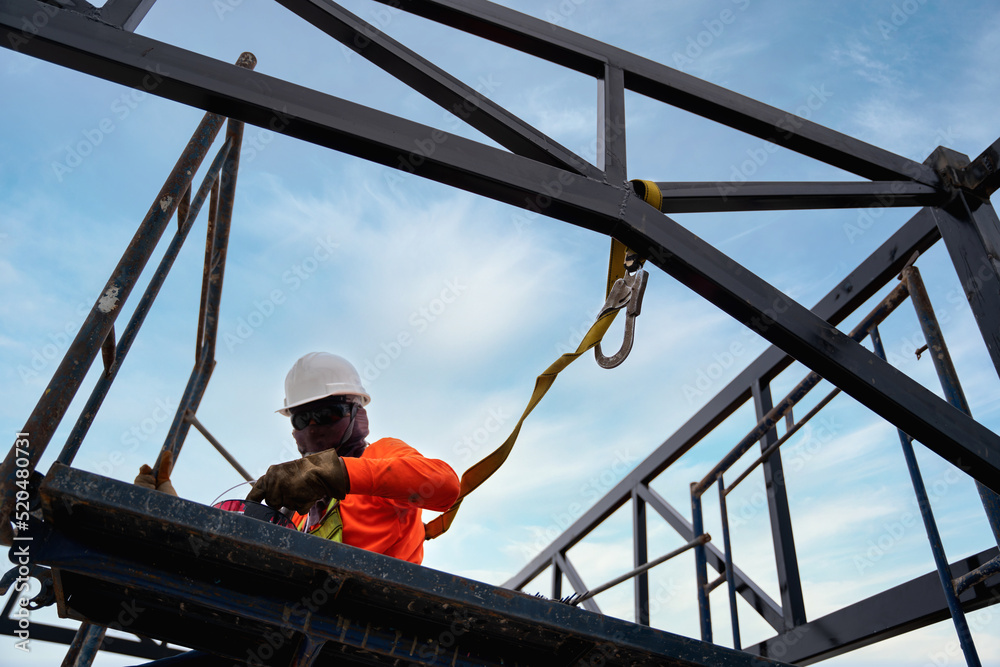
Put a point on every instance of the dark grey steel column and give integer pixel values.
(971, 232)
(640, 551)
(611, 157)
(792, 605)
(556, 581)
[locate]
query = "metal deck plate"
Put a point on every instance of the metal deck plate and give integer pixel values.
(182, 572)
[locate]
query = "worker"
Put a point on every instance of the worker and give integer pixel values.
(365, 495)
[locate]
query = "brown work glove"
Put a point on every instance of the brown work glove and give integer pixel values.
(299, 484)
(161, 482)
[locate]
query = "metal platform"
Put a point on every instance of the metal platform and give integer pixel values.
(177, 571)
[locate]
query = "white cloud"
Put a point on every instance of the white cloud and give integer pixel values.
(718, 63)
(858, 56)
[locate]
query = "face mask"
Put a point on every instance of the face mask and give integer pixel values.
(346, 435)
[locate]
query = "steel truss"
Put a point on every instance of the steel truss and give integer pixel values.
(906, 607)
(538, 174)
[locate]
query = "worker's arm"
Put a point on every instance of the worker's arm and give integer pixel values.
(393, 470)
(299, 484)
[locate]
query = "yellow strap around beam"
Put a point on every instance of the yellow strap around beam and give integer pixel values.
(649, 192)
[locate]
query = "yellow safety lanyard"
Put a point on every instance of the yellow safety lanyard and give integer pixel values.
(626, 283)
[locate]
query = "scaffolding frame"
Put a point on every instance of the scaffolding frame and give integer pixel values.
(950, 591)
(539, 175)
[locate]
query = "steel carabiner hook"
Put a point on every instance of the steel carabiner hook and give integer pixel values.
(625, 293)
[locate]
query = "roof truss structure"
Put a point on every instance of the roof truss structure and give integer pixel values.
(600, 202)
(536, 173)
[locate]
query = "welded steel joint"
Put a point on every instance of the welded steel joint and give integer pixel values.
(626, 293)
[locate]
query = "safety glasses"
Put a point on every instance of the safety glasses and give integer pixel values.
(325, 415)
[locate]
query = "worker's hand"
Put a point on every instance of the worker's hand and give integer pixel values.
(161, 482)
(299, 484)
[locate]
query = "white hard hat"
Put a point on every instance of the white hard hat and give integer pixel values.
(320, 375)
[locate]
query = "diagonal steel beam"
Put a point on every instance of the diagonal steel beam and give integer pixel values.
(913, 238)
(611, 210)
(437, 85)
(584, 54)
(561, 563)
(823, 348)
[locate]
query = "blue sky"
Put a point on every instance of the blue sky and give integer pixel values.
(451, 304)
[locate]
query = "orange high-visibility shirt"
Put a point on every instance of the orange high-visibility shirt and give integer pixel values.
(390, 483)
